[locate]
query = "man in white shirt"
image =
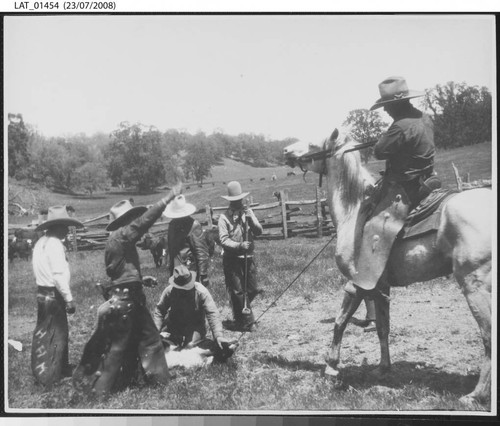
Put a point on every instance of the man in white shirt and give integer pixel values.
(49, 353)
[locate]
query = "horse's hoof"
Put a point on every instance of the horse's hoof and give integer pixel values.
(331, 372)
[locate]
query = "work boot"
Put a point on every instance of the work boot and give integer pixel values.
(371, 326)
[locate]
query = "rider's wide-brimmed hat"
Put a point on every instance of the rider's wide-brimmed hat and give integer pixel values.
(234, 192)
(182, 276)
(178, 207)
(394, 89)
(58, 215)
(121, 213)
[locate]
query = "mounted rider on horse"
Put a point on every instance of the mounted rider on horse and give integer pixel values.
(408, 148)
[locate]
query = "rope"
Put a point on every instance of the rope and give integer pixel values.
(289, 285)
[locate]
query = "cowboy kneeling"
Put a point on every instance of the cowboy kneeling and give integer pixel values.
(181, 313)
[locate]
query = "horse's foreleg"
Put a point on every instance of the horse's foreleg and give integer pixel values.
(350, 303)
(476, 287)
(382, 308)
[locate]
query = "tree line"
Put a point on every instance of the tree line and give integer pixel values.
(140, 156)
(133, 155)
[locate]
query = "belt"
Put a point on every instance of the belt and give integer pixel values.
(48, 291)
(238, 256)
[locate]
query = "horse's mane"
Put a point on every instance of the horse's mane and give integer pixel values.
(353, 177)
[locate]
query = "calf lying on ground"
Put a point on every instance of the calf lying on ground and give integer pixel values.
(206, 353)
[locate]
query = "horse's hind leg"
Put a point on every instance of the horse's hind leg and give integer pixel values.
(350, 303)
(476, 286)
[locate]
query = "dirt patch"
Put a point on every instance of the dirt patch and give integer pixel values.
(431, 327)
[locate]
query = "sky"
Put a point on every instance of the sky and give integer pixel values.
(280, 76)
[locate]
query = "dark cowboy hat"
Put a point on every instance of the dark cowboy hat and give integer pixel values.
(121, 213)
(234, 192)
(58, 215)
(394, 89)
(182, 276)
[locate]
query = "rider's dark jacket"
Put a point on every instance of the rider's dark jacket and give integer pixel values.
(408, 148)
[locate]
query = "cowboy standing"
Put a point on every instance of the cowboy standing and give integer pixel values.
(49, 352)
(125, 331)
(182, 311)
(237, 227)
(186, 243)
(408, 148)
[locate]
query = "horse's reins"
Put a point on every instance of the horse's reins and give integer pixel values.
(319, 155)
(289, 285)
(326, 153)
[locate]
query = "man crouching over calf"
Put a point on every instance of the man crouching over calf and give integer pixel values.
(181, 315)
(126, 337)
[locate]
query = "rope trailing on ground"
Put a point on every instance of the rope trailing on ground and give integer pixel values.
(289, 285)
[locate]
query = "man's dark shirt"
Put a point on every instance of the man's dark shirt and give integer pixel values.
(187, 245)
(120, 256)
(408, 146)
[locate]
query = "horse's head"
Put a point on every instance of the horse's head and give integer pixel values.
(302, 154)
(311, 156)
(335, 158)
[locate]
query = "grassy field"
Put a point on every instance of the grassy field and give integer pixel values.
(475, 160)
(435, 342)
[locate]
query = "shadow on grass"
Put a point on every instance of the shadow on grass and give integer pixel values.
(290, 365)
(405, 373)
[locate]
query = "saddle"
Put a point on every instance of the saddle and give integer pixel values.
(426, 216)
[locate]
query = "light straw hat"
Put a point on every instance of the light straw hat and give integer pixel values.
(234, 192)
(58, 215)
(178, 207)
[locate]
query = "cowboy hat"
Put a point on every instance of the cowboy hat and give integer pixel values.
(182, 277)
(234, 192)
(122, 212)
(394, 89)
(58, 215)
(179, 208)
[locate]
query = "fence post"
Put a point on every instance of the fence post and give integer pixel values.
(319, 213)
(283, 200)
(208, 213)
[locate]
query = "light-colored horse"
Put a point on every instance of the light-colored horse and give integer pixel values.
(462, 246)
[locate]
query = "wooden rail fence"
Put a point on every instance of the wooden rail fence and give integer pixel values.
(280, 219)
(287, 217)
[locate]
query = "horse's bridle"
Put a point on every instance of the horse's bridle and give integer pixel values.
(313, 156)
(326, 153)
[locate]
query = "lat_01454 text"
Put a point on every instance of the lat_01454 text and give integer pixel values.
(66, 5)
